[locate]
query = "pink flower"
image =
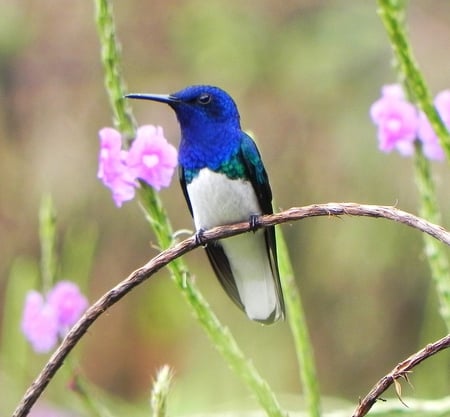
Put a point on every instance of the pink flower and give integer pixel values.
(400, 123)
(151, 158)
(397, 120)
(431, 146)
(430, 142)
(67, 300)
(112, 169)
(442, 103)
(39, 323)
(46, 410)
(46, 319)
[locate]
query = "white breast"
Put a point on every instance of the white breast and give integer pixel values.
(216, 200)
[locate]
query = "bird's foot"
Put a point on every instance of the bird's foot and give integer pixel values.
(254, 222)
(199, 238)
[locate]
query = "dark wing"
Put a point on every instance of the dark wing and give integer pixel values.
(221, 266)
(182, 178)
(257, 175)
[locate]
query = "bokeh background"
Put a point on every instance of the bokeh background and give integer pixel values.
(304, 74)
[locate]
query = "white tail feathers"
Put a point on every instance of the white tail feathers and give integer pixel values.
(253, 275)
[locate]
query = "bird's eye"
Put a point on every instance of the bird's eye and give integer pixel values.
(204, 99)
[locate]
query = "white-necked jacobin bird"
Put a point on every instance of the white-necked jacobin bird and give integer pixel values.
(224, 181)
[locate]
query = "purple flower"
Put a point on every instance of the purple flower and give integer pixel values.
(112, 169)
(431, 146)
(45, 319)
(397, 120)
(151, 158)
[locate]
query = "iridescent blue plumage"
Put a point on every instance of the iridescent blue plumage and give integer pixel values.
(224, 181)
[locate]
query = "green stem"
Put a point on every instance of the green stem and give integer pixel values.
(435, 252)
(86, 392)
(392, 14)
(218, 334)
(299, 328)
(111, 60)
(47, 236)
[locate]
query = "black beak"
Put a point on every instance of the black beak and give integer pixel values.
(162, 98)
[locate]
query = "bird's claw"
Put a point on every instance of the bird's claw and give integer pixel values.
(199, 238)
(254, 222)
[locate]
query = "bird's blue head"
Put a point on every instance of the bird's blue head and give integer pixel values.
(209, 123)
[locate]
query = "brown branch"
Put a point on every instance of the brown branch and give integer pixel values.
(163, 258)
(400, 371)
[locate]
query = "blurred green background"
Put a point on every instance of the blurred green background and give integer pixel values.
(304, 74)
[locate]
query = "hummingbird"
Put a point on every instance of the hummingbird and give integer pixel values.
(224, 181)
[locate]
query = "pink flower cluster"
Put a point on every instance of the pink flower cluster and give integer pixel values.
(150, 158)
(46, 319)
(400, 123)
